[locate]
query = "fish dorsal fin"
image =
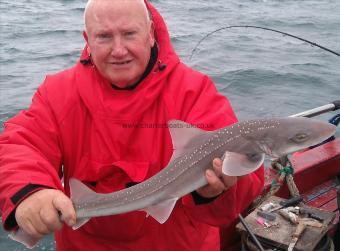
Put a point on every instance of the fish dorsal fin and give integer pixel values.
(161, 212)
(185, 136)
(237, 164)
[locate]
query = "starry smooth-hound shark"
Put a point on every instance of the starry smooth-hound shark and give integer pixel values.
(243, 145)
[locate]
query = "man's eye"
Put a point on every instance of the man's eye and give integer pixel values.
(104, 36)
(129, 33)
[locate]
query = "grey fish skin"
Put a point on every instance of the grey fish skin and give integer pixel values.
(185, 172)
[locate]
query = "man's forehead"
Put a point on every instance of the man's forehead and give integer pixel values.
(89, 2)
(92, 5)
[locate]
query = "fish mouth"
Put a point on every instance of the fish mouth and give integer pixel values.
(265, 148)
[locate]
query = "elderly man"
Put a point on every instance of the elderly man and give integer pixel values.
(85, 122)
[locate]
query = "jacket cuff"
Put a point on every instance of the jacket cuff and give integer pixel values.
(10, 222)
(199, 200)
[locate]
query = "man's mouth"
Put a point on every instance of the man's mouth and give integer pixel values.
(121, 62)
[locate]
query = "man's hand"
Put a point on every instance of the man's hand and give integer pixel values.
(38, 214)
(217, 181)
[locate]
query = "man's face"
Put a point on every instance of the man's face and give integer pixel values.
(119, 38)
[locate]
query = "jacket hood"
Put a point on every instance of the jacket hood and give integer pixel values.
(98, 94)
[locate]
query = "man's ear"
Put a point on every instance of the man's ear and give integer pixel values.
(152, 34)
(87, 41)
(85, 37)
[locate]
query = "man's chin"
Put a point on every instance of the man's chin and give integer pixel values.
(122, 84)
(124, 80)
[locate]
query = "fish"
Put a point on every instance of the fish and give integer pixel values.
(243, 147)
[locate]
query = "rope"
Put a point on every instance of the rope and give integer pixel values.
(285, 172)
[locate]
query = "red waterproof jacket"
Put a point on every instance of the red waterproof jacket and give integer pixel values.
(79, 126)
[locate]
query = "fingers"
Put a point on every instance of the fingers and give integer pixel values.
(228, 181)
(39, 226)
(64, 205)
(28, 227)
(217, 166)
(38, 215)
(217, 181)
(50, 218)
(215, 184)
(29, 220)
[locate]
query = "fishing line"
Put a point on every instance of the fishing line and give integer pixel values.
(262, 28)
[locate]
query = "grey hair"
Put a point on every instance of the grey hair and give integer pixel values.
(90, 2)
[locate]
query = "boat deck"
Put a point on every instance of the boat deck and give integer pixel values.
(317, 173)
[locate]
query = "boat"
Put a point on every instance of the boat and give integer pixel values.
(317, 178)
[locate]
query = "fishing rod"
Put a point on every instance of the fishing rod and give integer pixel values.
(333, 106)
(262, 28)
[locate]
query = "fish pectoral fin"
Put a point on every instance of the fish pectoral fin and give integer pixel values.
(80, 222)
(161, 212)
(236, 164)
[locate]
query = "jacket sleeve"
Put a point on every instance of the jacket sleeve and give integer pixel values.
(30, 155)
(206, 107)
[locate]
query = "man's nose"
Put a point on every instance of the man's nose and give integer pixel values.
(118, 48)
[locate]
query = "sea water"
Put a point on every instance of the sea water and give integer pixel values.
(262, 73)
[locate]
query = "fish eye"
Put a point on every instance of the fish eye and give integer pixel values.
(299, 137)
